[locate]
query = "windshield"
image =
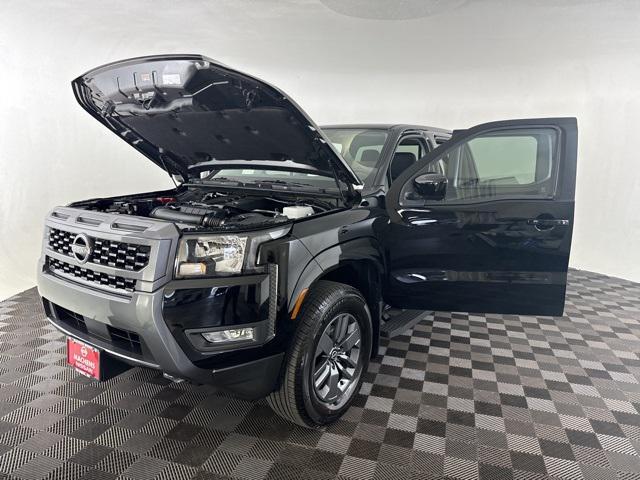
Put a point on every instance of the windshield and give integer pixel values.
(360, 147)
(253, 175)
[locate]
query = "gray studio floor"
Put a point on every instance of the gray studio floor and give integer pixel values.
(461, 396)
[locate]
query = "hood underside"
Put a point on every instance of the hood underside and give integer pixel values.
(189, 114)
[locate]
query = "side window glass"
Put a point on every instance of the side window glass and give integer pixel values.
(408, 152)
(505, 163)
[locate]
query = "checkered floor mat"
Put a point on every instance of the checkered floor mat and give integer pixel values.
(461, 396)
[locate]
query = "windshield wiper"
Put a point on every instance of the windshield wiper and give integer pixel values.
(276, 184)
(271, 181)
(213, 181)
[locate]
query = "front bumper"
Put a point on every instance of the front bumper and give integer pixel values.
(147, 340)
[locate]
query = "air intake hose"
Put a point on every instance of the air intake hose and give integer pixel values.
(191, 215)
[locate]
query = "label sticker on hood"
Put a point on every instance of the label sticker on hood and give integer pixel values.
(144, 96)
(171, 79)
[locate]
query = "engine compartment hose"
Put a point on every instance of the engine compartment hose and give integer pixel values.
(212, 220)
(209, 219)
(173, 215)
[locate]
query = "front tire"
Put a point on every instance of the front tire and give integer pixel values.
(328, 357)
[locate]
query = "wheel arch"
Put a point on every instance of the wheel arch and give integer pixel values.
(358, 263)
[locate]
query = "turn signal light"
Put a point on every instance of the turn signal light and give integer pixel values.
(187, 269)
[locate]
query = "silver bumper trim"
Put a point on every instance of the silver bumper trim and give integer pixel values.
(140, 363)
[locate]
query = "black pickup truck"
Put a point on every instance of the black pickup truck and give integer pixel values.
(285, 251)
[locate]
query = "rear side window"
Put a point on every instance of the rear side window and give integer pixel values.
(505, 163)
(407, 152)
(414, 146)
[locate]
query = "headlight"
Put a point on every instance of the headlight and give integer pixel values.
(211, 255)
(206, 256)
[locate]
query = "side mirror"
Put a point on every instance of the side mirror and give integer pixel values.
(431, 186)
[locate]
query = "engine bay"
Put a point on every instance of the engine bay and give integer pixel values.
(196, 208)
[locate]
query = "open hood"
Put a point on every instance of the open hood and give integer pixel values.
(189, 114)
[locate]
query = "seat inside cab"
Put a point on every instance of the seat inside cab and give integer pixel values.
(400, 162)
(408, 151)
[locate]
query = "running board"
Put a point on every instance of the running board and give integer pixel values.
(401, 322)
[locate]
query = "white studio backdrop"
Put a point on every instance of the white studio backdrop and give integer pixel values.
(451, 64)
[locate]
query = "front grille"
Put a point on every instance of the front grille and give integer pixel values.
(120, 254)
(60, 241)
(125, 339)
(99, 278)
(127, 256)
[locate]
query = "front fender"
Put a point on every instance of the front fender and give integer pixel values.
(353, 251)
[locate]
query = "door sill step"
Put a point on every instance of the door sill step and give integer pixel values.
(401, 322)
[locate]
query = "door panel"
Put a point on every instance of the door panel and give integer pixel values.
(500, 239)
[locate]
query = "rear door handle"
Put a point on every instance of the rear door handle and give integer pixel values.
(546, 223)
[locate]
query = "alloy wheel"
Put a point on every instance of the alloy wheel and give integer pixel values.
(337, 360)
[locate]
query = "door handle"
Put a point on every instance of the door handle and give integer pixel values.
(546, 223)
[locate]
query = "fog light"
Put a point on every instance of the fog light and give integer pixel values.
(227, 336)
